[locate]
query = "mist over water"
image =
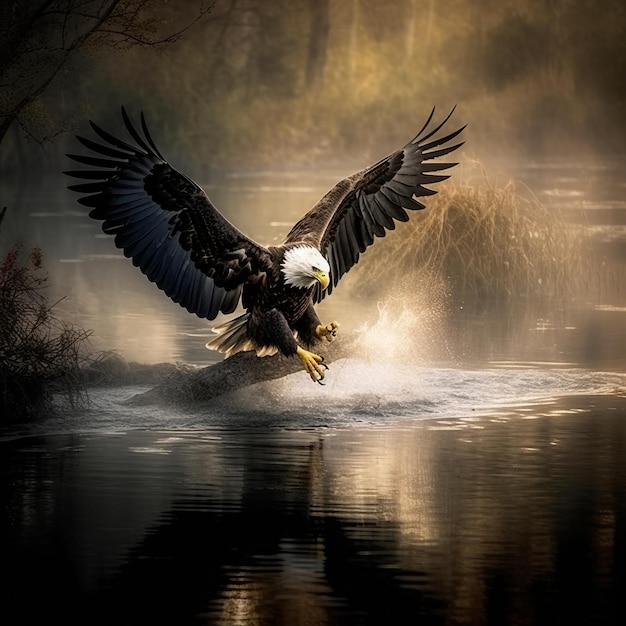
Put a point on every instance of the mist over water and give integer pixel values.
(101, 290)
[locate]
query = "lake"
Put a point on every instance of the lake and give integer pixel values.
(472, 472)
(514, 515)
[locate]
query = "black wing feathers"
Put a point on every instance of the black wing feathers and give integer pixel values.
(170, 229)
(366, 205)
(165, 223)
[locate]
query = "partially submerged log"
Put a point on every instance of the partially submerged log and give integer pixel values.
(240, 370)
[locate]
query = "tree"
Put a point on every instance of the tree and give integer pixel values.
(318, 42)
(40, 38)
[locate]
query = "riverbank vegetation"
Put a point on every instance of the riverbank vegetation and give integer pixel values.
(40, 355)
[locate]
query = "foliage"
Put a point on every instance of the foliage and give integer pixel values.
(40, 355)
(486, 243)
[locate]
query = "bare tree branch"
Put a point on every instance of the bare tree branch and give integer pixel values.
(38, 40)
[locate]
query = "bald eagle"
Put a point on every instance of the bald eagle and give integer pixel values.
(171, 230)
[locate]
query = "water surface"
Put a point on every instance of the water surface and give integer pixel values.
(512, 515)
(472, 470)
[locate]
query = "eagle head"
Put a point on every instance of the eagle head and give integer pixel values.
(302, 266)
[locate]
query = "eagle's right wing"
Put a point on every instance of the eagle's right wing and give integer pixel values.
(166, 224)
(364, 206)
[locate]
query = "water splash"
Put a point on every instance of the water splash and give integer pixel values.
(411, 327)
(361, 390)
(390, 375)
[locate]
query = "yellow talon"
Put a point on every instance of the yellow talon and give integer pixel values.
(313, 364)
(328, 332)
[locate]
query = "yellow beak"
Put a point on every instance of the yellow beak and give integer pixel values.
(323, 278)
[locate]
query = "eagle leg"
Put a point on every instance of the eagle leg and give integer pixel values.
(328, 332)
(313, 364)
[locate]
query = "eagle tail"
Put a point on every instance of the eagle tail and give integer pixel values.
(232, 337)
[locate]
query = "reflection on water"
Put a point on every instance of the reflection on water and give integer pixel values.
(517, 516)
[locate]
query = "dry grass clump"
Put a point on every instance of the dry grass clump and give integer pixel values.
(486, 242)
(40, 355)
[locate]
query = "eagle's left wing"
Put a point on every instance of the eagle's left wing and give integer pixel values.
(364, 206)
(166, 224)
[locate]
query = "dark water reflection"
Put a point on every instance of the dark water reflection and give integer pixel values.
(512, 517)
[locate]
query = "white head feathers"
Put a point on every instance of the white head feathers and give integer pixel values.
(301, 265)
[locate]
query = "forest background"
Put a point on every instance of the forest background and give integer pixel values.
(298, 82)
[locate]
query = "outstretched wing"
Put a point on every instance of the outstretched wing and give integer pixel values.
(166, 224)
(367, 204)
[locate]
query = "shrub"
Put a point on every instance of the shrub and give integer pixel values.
(40, 355)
